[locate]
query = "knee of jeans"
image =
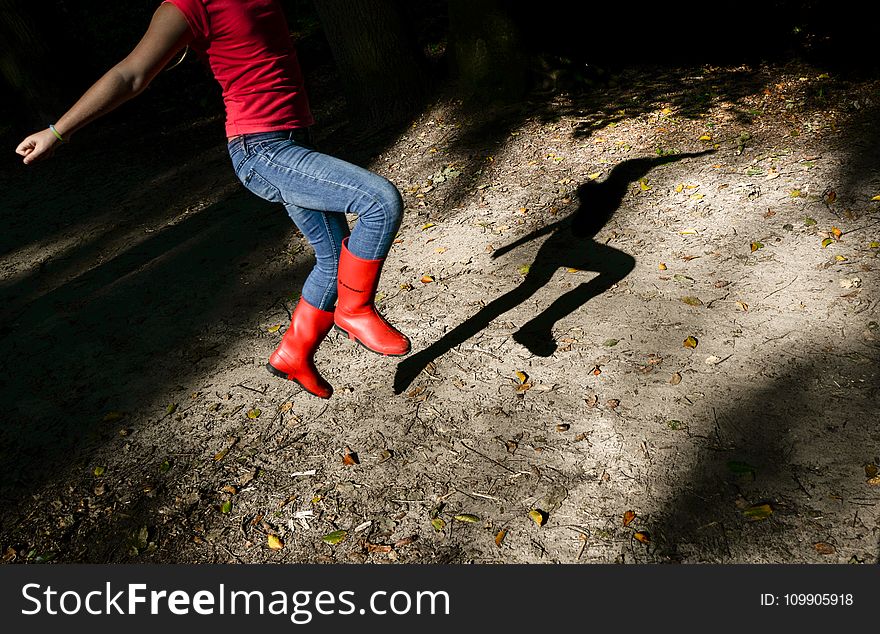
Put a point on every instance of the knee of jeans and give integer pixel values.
(390, 203)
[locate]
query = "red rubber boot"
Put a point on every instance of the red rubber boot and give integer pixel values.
(294, 358)
(356, 315)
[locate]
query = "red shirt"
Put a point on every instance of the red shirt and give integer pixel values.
(247, 45)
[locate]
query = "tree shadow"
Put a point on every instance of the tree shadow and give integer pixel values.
(570, 245)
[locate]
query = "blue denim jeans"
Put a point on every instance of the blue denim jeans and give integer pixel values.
(318, 190)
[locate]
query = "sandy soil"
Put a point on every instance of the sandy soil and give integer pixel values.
(644, 321)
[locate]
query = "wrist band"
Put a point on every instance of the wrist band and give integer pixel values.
(56, 133)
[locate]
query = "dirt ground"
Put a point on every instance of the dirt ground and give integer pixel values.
(644, 325)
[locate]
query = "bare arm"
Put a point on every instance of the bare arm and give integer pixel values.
(167, 34)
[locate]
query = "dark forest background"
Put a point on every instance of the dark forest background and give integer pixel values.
(388, 56)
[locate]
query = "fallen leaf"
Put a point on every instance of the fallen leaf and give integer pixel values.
(824, 548)
(839, 258)
(756, 245)
(285, 407)
(165, 466)
(596, 371)
(561, 427)
(592, 400)
(275, 542)
(875, 481)
(610, 343)
(438, 524)
(467, 518)
(427, 279)
(871, 470)
(538, 517)
(378, 548)
(99, 471)
(827, 241)
(222, 453)
(758, 512)
(522, 377)
(334, 538)
(679, 188)
(674, 424)
(594, 175)
(172, 407)
(226, 507)
(742, 306)
(524, 269)
(500, 537)
(809, 222)
(688, 232)
(405, 541)
(254, 413)
(705, 137)
(836, 233)
(612, 403)
(642, 536)
(795, 193)
(675, 379)
(231, 490)
(690, 342)
(690, 300)
(876, 197)
(273, 328)
(661, 266)
(350, 458)
(830, 196)
(628, 517)
(874, 245)
(428, 225)
(643, 184)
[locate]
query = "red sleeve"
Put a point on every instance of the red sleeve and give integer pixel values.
(195, 14)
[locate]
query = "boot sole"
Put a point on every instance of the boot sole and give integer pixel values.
(365, 347)
(283, 375)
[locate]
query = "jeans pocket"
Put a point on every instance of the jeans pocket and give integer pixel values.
(261, 187)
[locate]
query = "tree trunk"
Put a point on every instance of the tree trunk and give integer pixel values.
(487, 52)
(377, 62)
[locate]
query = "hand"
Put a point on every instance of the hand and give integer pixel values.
(37, 146)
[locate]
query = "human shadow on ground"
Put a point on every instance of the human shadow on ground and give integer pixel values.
(570, 244)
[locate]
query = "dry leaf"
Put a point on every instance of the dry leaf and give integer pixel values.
(428, 225)
(350, 458)
(675, 379)
(742, 306)
(500, 537)
(688, 232)
(273, 328)
(231, 490)
(612, 403)
(690, 342)
(871, 470)
(596, 371)
(824, 548)
(643, 537)
(222, 453)
(254, 413)
(628, 517)
(661, 266)
(755, 246)
(467, 518)
(522, 377)
(438, 524)
(538, 517)
(690, 300)
(875, 481)
(563, 427)
(836, 233)
(377, 548)
(285, 407)
(275, 542)
(593, 399)
(827, 241)
(427, 279)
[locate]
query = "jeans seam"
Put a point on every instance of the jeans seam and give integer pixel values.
(330, 287)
